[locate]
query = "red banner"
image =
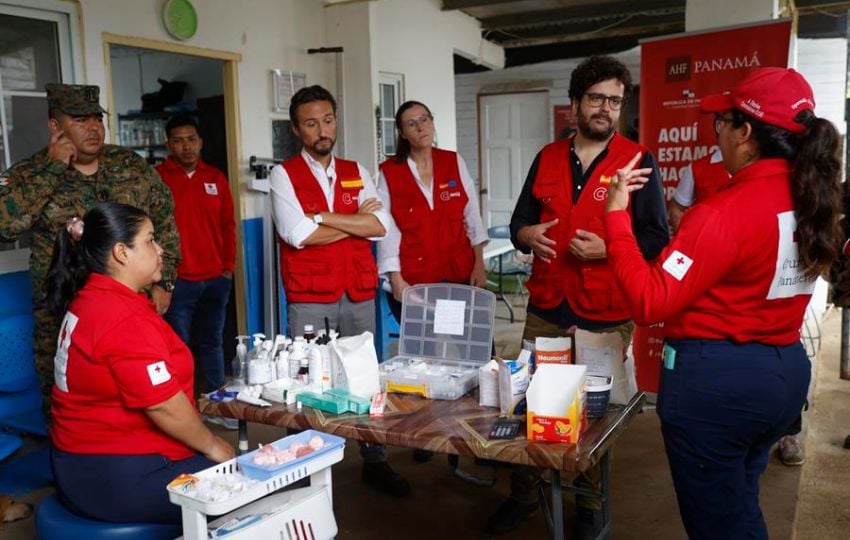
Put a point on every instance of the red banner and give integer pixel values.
(675, 73)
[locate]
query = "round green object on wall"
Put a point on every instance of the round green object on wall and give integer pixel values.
(180, 18)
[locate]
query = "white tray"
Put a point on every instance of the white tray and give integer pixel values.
(259, 489)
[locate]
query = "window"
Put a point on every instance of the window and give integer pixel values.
(391, 91)
(35, 49)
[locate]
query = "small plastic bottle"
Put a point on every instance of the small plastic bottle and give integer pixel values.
(240, 361)
(303, 375)
(315, 364)
(309, 333)
(297, 353)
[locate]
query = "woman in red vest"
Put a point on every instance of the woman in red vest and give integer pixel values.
(124, 416)
(435, 234)
(733, 287)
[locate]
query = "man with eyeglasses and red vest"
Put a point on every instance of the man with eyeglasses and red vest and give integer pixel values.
(327, 214)
(558, 217)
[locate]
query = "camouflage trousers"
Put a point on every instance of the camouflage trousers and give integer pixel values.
(525, 480)
(44, 337)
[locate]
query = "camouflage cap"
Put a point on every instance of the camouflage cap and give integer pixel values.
(74, 99)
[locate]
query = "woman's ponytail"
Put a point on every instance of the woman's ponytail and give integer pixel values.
(816, 191)
(68, 271)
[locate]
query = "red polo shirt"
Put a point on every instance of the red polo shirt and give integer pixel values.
(115, 357)
(732, 272)
(203, 210)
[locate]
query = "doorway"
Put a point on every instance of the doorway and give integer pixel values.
(512, 129)
(197, 81)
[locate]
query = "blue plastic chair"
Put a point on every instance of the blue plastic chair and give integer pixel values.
(9, 444)
(20, 397)
(54, 521)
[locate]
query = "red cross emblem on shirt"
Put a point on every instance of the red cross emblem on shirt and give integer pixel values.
(680, 260)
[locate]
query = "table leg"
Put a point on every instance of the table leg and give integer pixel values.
(243, 436)
(557, 507)
(502, 292)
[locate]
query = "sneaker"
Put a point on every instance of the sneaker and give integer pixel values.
(588, 524)
(230, 424)
(791, 452)
(509, 515)
(422, 456)
(383, 478)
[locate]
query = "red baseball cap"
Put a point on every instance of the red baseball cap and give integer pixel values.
(773, 95)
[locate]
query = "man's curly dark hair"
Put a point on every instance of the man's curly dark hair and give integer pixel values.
(595, 70)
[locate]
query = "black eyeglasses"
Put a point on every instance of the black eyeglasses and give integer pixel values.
(597, 100)
(719, 120)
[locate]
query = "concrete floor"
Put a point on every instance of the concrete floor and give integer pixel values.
(643, 502)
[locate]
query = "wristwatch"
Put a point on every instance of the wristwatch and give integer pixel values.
(317, 219)
(166, 284)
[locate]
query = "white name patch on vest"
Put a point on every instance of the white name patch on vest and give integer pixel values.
(63, 343)
(158, 373)
(211, 189)
(677, 264)
(789, 279)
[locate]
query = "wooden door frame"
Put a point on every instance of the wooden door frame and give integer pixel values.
(230, 81)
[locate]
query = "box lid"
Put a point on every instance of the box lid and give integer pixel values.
(423, 303)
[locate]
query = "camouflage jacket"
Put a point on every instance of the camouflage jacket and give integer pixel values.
(41, 194)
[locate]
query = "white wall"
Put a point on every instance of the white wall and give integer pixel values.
(417, 39)
(702, 14)
(351, 26)
(267, 33)
(136, 71)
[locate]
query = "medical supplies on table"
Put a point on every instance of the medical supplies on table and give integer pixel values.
(446, 336)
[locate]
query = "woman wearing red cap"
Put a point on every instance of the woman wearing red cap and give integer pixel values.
(733, 287)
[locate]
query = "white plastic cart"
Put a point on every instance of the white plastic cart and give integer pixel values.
(302, 514)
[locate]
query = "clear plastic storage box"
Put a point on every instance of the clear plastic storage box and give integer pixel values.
(441, 365)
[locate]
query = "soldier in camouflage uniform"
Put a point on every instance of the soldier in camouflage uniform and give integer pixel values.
(74, 173)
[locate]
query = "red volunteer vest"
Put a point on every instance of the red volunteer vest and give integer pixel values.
(434, 245)
(708, 177)
(588, 286)
(321, 274)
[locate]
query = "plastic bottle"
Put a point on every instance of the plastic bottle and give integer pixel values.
(303, 375)
(240, 361)
(282, 364)
(315, 365)
(295, 355)
(309, 333)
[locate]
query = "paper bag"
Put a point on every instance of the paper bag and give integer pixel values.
(556, 403)
(356, 363)
(603, 356)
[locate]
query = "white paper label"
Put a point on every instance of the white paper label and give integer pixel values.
(677, 264)
(158, 373)
(789, 279)
(449, 317)
(60, 360)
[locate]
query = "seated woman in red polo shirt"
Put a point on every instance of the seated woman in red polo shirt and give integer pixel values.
(124, 420)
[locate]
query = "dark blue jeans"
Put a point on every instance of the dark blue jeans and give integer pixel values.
(205, 301)
(722, 406)
(120, 489)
